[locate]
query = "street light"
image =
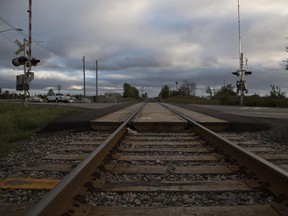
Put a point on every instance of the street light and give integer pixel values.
(17, 29)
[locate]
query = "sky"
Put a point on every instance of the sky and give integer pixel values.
(146, 43)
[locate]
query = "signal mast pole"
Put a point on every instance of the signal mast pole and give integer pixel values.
(240, 59)
(29, 53)
(30, 34)
(241, 73)
(84, 80)
(96, 82)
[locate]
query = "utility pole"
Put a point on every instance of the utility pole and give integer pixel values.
(84, 85)
(96, 82)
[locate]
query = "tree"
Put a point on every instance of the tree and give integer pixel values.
(130, 91)
(187, 88)
(276, 92)
(174, 93)
(226, 95)
(209, 91)
(165, 92)
(227, 90)
(50, 92)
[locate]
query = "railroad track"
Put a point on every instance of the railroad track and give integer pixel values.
(190, 172)
(270, 153)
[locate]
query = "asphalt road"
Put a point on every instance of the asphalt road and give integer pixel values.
(80, 119)
(259, 112)
(242, 118)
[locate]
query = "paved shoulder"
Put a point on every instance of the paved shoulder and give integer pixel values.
(80, 119)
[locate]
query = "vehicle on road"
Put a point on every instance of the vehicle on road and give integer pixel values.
(58, 97)
(82, 100)
(34, 99)
(71, 100)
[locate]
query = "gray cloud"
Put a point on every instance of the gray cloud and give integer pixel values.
(147, 43)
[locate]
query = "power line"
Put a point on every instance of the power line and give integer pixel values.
(55, 52)
(8, 38)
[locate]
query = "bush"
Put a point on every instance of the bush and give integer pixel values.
(267, 101)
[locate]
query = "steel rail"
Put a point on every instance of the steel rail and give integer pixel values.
(60, 197)
(266, 175)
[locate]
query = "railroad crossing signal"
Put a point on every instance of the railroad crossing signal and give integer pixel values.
(244, 72)
(241, 84)
(21, 47)
(23, 59)
(34, 61)
(19, 61)
(23, 80)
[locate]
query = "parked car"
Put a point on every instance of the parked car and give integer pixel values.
(82, 100)
(58, 97)
(34, 99)
(71, 100)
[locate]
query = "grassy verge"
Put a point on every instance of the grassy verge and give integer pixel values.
(17, 123)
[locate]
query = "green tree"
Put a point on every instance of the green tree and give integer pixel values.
(209, 91)
(165, 92)
(276, 92)
(226, 95)
(227, 90)
(50, 92)
(187, 88)
(130, 91)
(174, 93)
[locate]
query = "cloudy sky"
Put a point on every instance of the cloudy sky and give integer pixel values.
(146, 43)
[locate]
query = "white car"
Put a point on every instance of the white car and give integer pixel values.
(71, 100)
(35, 99)
(58, 97)
(82, 100)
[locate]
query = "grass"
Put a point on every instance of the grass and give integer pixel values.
(18, 123)
(253, 100)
